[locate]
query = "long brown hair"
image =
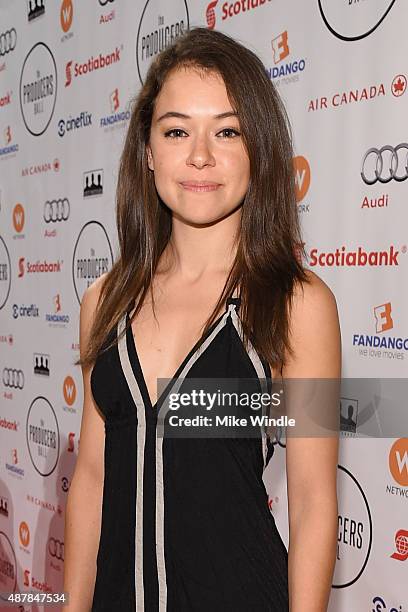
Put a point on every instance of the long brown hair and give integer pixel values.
(269, 252)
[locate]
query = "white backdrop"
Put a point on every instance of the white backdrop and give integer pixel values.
(67, 73)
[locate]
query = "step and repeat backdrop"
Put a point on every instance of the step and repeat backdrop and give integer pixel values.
(68, 72)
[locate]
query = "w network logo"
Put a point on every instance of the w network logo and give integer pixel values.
(302, 177)
(210, 15)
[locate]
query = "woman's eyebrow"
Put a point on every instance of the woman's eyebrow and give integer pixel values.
(183, 116)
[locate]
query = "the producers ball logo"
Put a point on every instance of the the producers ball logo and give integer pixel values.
(350, 20)
(38, 89)
(5, 273)
(8, 566)
(158, 28)
(92, 256)
(43, 439)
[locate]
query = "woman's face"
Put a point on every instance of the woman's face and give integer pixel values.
(200, 164)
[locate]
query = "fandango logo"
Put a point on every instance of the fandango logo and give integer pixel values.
(74, 123)
(93, 63)
(38, 266)
(383, 322)
(280, 49)
(360, 257)
(231, 9)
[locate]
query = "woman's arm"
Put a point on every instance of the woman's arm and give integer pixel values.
(84, 503)
(312, 452)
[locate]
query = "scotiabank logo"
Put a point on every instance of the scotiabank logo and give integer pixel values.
(231, 9)
(73, 70)
(38, 266)
(401, 545)
(353, 258)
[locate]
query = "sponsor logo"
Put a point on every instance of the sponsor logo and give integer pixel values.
(399, 85)
(18, 219)
(13, 378)
(401, 545)
(115, 119)
(38, 88)
(36, 9)
(231, 9)
(356, 258)
(9, 149)
(66, 15)
(355, 531)
(302, 181)
(8, 41)
(381, 605)
(43, 439)
(10, 425)
(345, 98)
(352, 20)
(57, 318)
(348, 415)
(41, 168)
(44, 504)
(73, 70)
(69, 390)
(377, 346)
(93, 183)
(284, 72)
(5, 273)
(12, 468)
(398, 464)
(84, 119)
(41, 364)
(4, 506)
(385, 164)
(90, 261)
(56, 210)
(159, 28)
(24, 534)
(8, 566)
(39, 267)
(56, 548)
(25, 311)
(6, 99)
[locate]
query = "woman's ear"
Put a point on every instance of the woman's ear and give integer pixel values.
(149, 157)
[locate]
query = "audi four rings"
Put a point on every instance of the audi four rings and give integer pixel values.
(397, 169)
(56, 548)
(56, 210)
(8, 41)
(13, 378)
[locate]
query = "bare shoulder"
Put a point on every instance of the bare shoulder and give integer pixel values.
(314, 331)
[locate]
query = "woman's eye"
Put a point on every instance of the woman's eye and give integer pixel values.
(168, 134)
(231, 130)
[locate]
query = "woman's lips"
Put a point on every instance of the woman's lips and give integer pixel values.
(195, 186)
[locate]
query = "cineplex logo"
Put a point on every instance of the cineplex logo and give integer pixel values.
(356, 258)
(73, 70)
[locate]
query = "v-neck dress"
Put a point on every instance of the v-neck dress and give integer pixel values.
(186, 525)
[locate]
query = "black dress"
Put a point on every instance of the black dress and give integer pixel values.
(186, 525)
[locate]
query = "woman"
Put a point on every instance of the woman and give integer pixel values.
(209, 239)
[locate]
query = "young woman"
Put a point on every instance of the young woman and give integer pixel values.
(209, 284)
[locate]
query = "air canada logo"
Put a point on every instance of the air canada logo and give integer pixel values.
(38, 89)
(36, 9)
(352, 20)
(157, 30)
(399, 85)
(93, 183)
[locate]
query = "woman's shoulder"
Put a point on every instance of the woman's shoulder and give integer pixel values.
(312, 293)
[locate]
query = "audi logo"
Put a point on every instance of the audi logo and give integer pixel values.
(385, 164)
(8, 41)
(13, 378)
(56, 210)
(56, 548)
